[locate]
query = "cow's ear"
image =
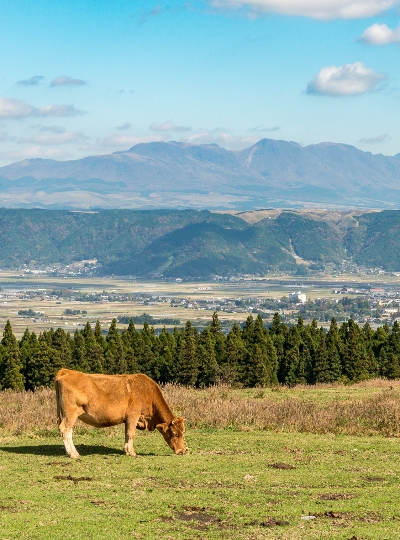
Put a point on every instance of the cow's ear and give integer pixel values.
(179, 421)
(162, 428)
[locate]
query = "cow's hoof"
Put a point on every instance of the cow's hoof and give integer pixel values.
(75, 456)
(133, 454)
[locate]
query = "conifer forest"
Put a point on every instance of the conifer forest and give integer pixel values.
(248, 356)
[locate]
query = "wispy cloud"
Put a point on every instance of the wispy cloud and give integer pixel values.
(221, 138)
(34, 152)
(55, 139)
(62, 80)
(374, 140)
(127, 125)
(380, 34)
(346, 80)
(53, 129)
(15, 108)
(316, 9)
(33, 81)
(122, 142)
(156, 11)
(59, 110)
(261, 129)
(168, 126)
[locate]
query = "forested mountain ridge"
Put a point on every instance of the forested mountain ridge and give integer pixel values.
(174, 174)
(190, 243)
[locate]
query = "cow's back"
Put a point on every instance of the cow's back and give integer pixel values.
(105, 398)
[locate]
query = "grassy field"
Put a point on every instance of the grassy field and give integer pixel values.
(239, 480)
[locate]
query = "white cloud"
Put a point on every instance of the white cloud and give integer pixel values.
(374, 140)
(15, 108)
(168, 126)
(260, 129)
(34, 152)
(317, 9)
(59, 138)
(222, 138)
(346, 80)
(58, 110)
(127, 125)
(380, 34)
(33, 81)
(66, 81)
(52, 129)
(122, 142)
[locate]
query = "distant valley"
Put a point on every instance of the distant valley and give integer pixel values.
(177, 175)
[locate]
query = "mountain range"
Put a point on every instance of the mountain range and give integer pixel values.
(270, 173)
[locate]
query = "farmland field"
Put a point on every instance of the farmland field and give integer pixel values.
(240, 480)
(52, 310)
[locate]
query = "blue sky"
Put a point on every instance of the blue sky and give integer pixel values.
(96, 76)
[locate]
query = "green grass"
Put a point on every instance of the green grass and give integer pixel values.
(223, 489)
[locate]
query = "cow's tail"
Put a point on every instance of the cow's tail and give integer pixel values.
(60, 404)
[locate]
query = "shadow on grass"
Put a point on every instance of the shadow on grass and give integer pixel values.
(58, 450)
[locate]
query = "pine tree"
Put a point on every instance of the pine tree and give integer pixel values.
(208, 367)
(79, 360)
(98, 335)
(93, 351)
(335, 349)
(42, 365)
(165, 361)
(11, 367)
(114, 357)
(389, 357)
(262, 362)
(128, 342)
(219, 338)
(355, 357)
(62, 344)
(187, 361)
(293, 367)
(322, 368)
(232, 368)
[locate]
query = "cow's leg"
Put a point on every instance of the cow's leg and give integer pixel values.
(130, 429)
(65, 427)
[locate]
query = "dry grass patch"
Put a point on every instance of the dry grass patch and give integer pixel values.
(368, 408)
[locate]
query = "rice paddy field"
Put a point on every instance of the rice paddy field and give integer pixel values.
(158, 297)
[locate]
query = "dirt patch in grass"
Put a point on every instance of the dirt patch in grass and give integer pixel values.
(102, 504)
(273, 522)
(199, 518)
(74, 479)
(283, 466)
(336, 496)
(371, 517)
(60, 463)
(335, 515)
(375, 478)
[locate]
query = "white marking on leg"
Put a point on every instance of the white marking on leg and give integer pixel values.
(72, 450)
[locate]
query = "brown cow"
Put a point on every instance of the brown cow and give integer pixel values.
(108, 400)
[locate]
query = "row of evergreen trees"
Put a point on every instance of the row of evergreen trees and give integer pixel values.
(249, 356)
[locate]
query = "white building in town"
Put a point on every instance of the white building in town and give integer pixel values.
(297, 297)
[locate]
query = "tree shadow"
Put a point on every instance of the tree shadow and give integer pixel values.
(56, 450)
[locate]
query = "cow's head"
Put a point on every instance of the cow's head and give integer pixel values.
(173, 434)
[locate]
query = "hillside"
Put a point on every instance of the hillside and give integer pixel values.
(176, 175)
(190, 243)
